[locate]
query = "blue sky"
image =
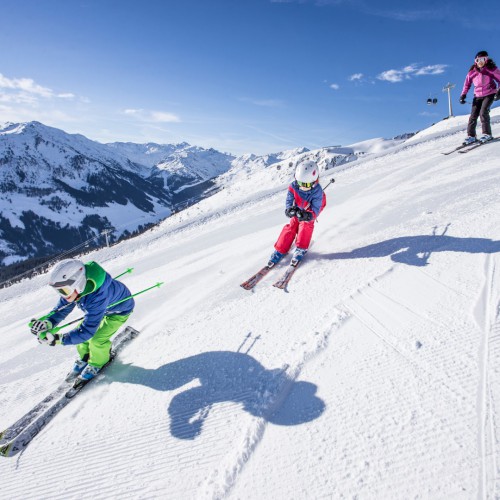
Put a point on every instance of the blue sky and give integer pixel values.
(240, 76)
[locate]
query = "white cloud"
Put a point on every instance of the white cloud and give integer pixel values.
(392, 75)
(27, 91)
(436, 69)
(152, 116)
(163, 117)
(406, 73)
(24, 84)
(335, 86)
(356, 77)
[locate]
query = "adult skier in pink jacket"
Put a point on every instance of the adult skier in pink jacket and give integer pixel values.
(485, 76)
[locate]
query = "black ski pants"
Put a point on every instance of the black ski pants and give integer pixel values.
(480, 108)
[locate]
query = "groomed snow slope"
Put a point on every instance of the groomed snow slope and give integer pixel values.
(374, 376)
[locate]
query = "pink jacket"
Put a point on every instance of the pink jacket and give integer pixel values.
(483, 80)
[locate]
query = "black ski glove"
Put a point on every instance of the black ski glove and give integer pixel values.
(38, 326)
(304, 216)
(462, 99)
(497, 96)
(291, 211)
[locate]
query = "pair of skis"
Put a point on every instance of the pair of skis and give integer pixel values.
(282, 282)
(17, 437)
(465, 148)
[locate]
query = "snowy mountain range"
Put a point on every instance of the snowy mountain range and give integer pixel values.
(61, 190)
(58, 190)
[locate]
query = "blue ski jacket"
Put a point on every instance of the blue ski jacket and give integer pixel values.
(313, 200)
(98, 295)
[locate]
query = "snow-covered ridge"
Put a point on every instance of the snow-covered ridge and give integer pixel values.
(149, 154)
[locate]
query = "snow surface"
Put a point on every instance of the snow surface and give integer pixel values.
(376, 375)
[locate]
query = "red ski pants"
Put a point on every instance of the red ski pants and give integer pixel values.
(302, 230)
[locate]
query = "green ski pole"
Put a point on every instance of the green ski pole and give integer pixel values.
(128, 271)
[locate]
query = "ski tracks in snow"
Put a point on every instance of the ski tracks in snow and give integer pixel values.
(222, 479)
(486, 313)
(416, 323)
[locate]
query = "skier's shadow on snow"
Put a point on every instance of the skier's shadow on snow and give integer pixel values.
(227, 376)
(416, 250)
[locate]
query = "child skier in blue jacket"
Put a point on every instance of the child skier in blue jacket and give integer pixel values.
(89, 287)
(304, 202)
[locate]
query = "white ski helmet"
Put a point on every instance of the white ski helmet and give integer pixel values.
(68, 276)
(307, 174)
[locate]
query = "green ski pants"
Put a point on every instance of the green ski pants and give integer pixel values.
(97, 348)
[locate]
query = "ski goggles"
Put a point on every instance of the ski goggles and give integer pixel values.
(65, 291)
(306, 185)
(483, 60)
(65, 288)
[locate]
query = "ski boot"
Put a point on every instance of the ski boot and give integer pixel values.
(89, 372)
(275, 258)
(297, 256)
(78, 367)
(470, 140)
(485, 138)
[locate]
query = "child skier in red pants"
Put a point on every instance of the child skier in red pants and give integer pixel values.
(304, 202)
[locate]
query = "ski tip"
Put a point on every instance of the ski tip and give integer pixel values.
(5, 450)
(71, 393)
(77, 386)
(132, 331)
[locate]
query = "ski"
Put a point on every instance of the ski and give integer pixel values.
(476, 145)
(15, 429)
(458, 148)
(287, 276)
(253, 280)
(17, 437)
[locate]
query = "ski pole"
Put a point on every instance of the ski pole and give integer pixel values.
(48, 315)
(55, 329)
(158, 285)
(128, 271)
(332, 180)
